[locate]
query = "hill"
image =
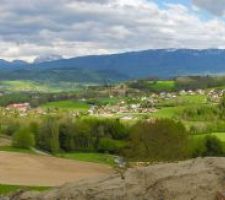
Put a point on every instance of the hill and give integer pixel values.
(198, 179)
(162, 63)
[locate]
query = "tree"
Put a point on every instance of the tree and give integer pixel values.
(23, 138)
(160, 140)
(48, 137)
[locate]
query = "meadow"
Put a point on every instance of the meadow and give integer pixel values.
(38, 86)
(6, 189)
(162, 85)
(67, 105)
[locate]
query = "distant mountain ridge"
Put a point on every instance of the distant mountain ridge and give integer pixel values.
(162, 63)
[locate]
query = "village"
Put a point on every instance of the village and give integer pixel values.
(125, 106)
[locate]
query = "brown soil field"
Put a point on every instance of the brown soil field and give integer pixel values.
(36, 170)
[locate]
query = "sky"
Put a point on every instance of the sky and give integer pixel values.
(70, 28)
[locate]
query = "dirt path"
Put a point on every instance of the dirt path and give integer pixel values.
(27, 169)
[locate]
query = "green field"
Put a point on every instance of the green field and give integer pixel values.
(33, 86)
(89, 157)
(220, 136)
(6, 189)
(168, 112)
(190, 99)
(14, 149)
(78, 156)
(162, 85)
(68, 105)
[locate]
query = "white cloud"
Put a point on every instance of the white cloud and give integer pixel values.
(79, 27)
(216, 7)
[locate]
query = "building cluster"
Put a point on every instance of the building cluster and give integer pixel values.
(119, 109)
(127, 106)
(21, 107)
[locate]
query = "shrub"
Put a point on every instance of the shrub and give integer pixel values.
(23, 138)
(108, 145)
(10, 129)
(160, 140)
(207, 146)
(213, 146)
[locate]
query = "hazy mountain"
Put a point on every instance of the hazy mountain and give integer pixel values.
(163, 62)
(131, 65)
(9, 65)
(48, 58)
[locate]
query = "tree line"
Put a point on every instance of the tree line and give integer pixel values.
(146, 140)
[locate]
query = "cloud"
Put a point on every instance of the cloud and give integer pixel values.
(79, 27)
(216, 7)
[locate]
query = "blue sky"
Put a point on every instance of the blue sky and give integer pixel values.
(40, 28)
(184, 2)
(202, 13)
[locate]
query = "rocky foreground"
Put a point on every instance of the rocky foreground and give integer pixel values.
(197, 179)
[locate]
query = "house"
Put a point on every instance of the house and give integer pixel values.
(22, 107)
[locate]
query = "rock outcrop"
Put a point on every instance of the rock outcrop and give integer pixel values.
(197, 179)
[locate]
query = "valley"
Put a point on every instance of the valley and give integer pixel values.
(82, 132)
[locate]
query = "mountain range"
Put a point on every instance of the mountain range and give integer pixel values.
(163, 63)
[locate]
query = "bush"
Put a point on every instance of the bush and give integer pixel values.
(207, 146)
(213, 146)
(23, 138)
(160, 140)
(10, 129)
(108, 145)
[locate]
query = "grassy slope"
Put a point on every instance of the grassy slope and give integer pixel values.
(220, 136)
(79, 156)
(177, 105)
(14, 149)
(168, 112)
(6, 189)
(160, 85)
(164, 85)
(32, 86)
(89, 157)
(69, 104)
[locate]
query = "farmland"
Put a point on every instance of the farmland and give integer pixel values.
(67, 105)
(38, 86)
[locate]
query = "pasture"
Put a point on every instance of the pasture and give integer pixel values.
(220, 136)
(161, 85)
(37, 86)
(67, 105)
(89, 157)
(6, 189)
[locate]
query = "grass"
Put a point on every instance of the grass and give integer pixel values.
(190, 99)
(6, 189)
(33, 86)
(67, 105)
(220, 136)
(77, 156)
(14, 149)
(162, 85)
(106, 100)
(90, 157)
(16, 86)
(168, 112)
(185, 100)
